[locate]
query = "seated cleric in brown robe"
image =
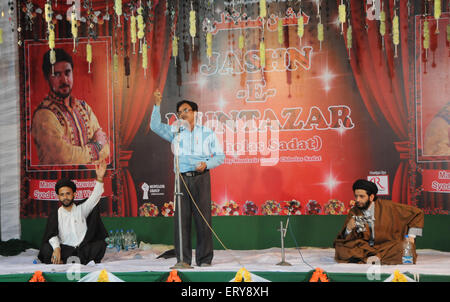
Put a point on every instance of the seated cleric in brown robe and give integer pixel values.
(75, 230)
(376, 228)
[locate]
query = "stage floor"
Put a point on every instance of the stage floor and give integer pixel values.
(430, 262)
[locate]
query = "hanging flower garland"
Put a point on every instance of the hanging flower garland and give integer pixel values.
(89, 55)
(74, 27)
(395, 32)
(241, 41)
(133, 33)
(141, 26)
(262, 53)
(175, 48)
(300, 26)
(382, 26)
(145, 58)
(51, 33)
(118, 10)
(1, 35)
(437, 13)
(342, 16)
(320, 33)
(349, 38)
(426, 37)
(280, 31)
(262, 8)
(192, 24)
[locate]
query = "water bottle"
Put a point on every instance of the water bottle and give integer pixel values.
(126, 240)
(117, 242)
(407, 251)
(133, 239)
(122, 239)
(110, 240)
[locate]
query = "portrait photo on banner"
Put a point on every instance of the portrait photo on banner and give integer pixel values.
(432, 95)
(69, 104)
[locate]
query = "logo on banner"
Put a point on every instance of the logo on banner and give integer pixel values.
(382, 182)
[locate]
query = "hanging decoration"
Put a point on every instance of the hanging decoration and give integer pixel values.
(133, 32)
(320, 33)
(349, 38)
(342, 16)
(241, 41)
(51, 33)
(437, 13)
(192, 25)
(175, 48)
(395, 33)
(1, 35)
(262, 53)
(74, 27)
(426, 37)
(144, 58)
(141, 26)
(89, 55)
(382, 26)
(262, 8)
(280, 31)
(209, 45)
(118, 10)
(300, 25)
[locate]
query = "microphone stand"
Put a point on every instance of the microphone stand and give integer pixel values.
(283, 234)
(177, 199)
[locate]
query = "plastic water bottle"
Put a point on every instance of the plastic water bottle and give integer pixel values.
(133, 239)
(117, 242)
(122, 239)
(110, 240)
(407, 251)
(126, 240)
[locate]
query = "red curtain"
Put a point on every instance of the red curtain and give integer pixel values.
(132, 98)
(383, 80)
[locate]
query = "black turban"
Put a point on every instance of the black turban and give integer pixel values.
(363, 184)
(65, 182)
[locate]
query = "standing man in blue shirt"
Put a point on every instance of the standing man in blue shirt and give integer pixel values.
(198, 152)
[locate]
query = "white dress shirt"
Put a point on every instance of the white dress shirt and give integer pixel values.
(72, 225)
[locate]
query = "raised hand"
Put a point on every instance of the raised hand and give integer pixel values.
(100, 170)
(157, 96)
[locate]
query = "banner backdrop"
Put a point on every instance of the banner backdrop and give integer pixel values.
(305, 99)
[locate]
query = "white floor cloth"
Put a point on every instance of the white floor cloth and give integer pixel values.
(430, 262)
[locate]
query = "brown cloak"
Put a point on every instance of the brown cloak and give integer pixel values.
(392, 222)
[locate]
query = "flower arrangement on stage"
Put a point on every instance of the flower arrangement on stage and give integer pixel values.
(293, 206)
(250, 208)
(215, 209)
(167, 209)
(231, 208)
(271, 207)
(148, 210)
(334, 207)
(313, 208)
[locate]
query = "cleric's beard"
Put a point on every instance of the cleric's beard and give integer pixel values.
(68, 205)
(365, 206)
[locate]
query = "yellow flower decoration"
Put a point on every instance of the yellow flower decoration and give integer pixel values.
(382, 23)
(103, 276)
(133, 29)
(118, 9)
(241, 41)
(395, 30)
(243, 274)
(320, 33)
(437, 9)
(349, 36)
(209, 45)
(140, 21)
(262, 8)
(300, 26)
(426, 35)
(74, 28)
(52, 57)
(262, 54)
(1, 35)
(192, 25)
(144, 56)
(175, 46)
(116, 62)
(48, 12)
(280, 31)
(342, 16)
